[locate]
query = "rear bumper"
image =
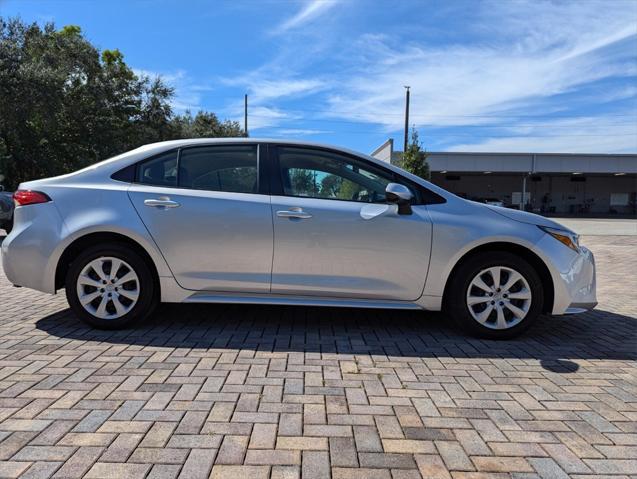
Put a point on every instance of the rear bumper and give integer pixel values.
(27, 251)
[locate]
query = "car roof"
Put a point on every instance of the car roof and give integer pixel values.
(203, 141)
(106, 168)
(151, 149)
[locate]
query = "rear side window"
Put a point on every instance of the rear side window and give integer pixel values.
(232, 168)
(160, 171)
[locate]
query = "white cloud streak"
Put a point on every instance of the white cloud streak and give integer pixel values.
(263, 90)
(309, 12)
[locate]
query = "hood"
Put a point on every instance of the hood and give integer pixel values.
(526, 217)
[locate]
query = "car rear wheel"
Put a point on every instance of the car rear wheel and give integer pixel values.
(110, 287)
(495, 295)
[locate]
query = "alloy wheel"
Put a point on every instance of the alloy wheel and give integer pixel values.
(499, 297)
(108, 287)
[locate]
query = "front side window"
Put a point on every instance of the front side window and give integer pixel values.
(232, 168)
(318, 174)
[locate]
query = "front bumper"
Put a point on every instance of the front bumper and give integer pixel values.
(576, 308)
(573, 275)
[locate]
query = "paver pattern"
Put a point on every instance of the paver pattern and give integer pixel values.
(275, 392)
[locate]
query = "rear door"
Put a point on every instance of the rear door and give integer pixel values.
(208, 210)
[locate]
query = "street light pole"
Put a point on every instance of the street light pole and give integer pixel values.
(406, 118)
(245, 115)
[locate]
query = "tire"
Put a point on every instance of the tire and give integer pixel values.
(7, 226)
(495, 313)
(119, 300)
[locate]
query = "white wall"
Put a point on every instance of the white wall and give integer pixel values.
(523, 162)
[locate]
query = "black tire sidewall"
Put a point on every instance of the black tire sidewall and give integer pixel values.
(457, 304)
(147, 291)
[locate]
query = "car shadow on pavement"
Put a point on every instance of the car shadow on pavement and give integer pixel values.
(558, 343)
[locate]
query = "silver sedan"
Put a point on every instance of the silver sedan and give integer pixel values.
(282, 222)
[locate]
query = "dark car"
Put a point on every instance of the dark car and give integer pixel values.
(6, 210)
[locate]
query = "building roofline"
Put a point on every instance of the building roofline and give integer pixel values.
(486, 153)
(389, 141)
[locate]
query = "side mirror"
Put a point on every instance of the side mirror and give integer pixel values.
(397, 194)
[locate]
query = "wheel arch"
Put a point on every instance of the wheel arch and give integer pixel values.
(77, 245)
(528, 255)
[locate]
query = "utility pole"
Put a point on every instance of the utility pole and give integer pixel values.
(245, 114)
(406, 118)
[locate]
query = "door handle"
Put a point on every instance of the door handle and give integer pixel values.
(294, 212)
(162, 201)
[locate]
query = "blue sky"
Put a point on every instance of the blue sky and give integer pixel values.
(485, 76)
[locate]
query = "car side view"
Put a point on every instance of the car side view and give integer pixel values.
(285, 222)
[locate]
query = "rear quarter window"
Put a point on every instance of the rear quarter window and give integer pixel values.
(160, 170)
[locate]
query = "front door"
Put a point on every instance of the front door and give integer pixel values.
(334, 234)
(204, 208)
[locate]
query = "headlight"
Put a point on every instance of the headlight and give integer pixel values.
(565, 237)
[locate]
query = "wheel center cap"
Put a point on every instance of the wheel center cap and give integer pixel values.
(110, 288)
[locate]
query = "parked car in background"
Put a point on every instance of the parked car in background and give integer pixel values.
(491, 201)
(282, 222)
(6, 210)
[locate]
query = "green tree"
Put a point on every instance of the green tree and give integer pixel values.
(65, 105)
(203, 125)
(331, 186)
(414, 159)
(303, 182)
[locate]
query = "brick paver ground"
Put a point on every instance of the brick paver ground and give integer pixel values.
(273, 392)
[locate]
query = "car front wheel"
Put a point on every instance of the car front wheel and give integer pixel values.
(496, 295)
(110, 286)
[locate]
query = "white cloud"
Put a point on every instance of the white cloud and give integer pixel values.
(535, 53)
(188, 94)
(450, 84)
(513, 69)
(616, 134)
(292, 132)
(263, 117)
(262, 91)
(309, 12)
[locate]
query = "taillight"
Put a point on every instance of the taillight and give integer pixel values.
(29, 197)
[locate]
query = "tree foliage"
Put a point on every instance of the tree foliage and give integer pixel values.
(318, 184)
(415, 158)
(64, 104)
(205, 125)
